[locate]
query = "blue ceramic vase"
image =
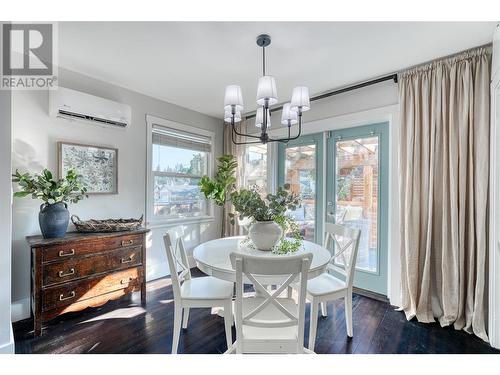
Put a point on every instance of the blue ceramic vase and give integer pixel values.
(53, 219)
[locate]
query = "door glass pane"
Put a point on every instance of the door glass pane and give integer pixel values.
(300, 173)
(255, 168)
(357, 174)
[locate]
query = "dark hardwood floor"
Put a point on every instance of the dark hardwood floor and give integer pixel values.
(124, 326)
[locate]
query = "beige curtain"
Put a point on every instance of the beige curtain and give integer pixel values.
(239, 152)
(444, 155)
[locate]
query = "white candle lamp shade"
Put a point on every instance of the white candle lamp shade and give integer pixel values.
(259, 117)
(233, 97)
(300, 98)
(266, 90)
(288, 115)
(228, 116)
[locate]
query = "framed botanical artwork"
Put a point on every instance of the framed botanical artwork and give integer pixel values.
(97, 164)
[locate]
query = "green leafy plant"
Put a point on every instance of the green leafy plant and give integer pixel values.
(219, 188)
(49, 190)
(291, 240)
(248, 203)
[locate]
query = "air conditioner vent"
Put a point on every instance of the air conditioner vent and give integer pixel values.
(91, 118)
(80, 106)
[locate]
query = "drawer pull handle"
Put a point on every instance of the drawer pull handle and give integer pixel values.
(128, 260)
(71, 272)
(126, 281)
(128, 242)
(71, 294)
(63, 254)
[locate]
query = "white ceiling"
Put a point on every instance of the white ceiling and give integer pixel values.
(189, 64)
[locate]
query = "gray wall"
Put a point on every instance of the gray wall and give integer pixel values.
(5, 221)
(34, 138)
(6, 345)
(370, 97)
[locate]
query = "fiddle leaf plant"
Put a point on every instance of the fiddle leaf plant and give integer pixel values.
(219, 188)
(43, 186)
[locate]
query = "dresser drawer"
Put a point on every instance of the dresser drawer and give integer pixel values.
(77, 268)
(78, 291)
(89, 247)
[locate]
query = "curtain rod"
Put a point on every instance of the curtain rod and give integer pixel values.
(451, 55)
(391, 77)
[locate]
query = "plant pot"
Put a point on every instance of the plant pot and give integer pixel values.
(53, 219)
(265, 234)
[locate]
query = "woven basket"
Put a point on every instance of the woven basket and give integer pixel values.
(108, 225)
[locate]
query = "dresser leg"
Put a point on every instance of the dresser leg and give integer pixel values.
(38, 327)
(143, 293)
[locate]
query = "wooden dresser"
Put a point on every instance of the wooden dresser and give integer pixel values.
(84, 270)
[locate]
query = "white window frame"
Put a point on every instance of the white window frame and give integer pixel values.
(151, 221)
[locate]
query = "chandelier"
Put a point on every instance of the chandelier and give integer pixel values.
(266, 96)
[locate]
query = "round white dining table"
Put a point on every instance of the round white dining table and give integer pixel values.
(212, 257)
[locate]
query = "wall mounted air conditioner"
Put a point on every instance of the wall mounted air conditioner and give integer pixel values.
(77, 105)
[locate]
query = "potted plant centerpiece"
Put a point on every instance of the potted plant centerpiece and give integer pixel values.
(270, 221)
(55, 195)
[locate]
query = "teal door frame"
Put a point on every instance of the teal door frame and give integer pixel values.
(304, 140)
(373, 281)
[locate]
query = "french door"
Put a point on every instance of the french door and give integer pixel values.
(357, 183)
(300, 164)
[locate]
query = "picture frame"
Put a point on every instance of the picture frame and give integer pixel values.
(97, 164)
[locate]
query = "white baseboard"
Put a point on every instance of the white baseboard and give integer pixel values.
(8, 347)
(20, 309)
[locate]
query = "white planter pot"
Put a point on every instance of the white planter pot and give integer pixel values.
(265, 234)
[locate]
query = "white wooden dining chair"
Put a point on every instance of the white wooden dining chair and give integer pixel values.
(195, 292)
(344, 243)
(266, 323)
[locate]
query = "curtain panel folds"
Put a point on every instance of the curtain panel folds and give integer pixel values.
(444, 169)
(239, 152)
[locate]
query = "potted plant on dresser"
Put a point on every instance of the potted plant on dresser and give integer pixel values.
(55, 195)
(269, 219)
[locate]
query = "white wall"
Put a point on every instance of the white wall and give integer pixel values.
(6, 339)
(34, 138)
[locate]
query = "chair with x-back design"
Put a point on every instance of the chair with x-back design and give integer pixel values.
(195, 292)
(266, 323)
(343, 242)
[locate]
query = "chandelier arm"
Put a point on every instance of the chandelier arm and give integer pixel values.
(242, 143)
(285, 140)
(233, 126)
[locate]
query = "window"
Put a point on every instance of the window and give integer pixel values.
(255, 169)
(179, 160)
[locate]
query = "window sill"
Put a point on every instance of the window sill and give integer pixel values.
(179, 221)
